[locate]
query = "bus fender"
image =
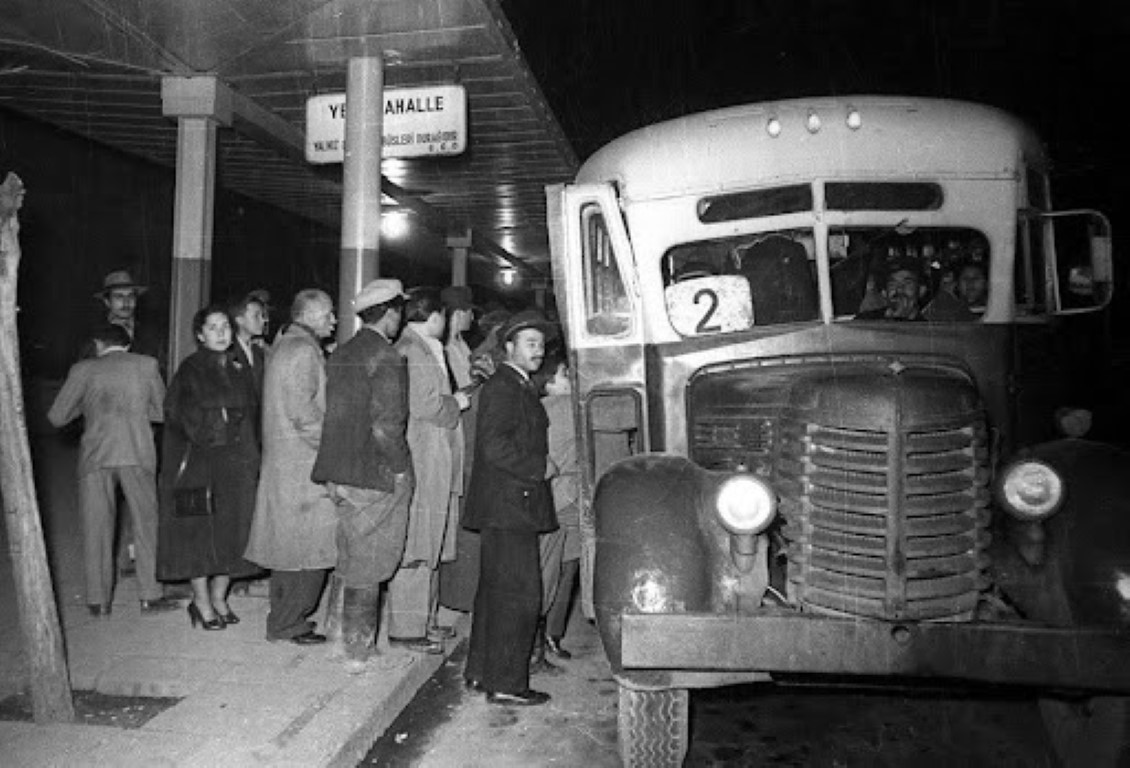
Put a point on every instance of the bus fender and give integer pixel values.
(651, 556)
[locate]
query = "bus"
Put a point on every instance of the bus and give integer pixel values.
(829, 358)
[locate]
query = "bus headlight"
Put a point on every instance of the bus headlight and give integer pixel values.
(1030, 489)
(745, 504)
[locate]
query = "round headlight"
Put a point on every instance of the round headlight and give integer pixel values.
(1031, 490)
(745, 504)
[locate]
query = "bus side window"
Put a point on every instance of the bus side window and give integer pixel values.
(607, 309)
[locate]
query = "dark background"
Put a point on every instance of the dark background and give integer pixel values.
(607, 67)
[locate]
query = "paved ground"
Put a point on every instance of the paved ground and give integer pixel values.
(245, 701)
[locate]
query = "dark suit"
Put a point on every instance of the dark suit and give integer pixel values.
(252, 370)
(510, 504)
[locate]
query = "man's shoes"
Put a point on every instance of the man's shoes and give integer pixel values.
(160, 605)
(97, 609)
(527, 698)
(308, 638)
(553, 645)
(417, 644)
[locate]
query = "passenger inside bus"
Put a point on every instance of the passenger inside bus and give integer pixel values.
(904, 290)
(863, 260)
(781, 279)
(973, 286)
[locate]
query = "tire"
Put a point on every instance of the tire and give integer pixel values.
(653, 727)
(1089, 732)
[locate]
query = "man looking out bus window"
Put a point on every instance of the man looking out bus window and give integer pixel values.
(903, 292)
(972, 286)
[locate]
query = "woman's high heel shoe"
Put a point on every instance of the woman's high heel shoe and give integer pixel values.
(229, 617)
(195, 617)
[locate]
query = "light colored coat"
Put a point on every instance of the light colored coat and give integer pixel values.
(435, 438)
(295, 522)
(119, 395)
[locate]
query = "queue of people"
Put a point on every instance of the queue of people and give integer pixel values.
(296, 463)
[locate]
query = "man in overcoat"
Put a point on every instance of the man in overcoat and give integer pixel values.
(119, 395)
(435, 438)
(509, 503)
(294, 531)
(364, 461)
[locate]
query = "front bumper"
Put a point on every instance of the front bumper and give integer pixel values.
(1083, 659)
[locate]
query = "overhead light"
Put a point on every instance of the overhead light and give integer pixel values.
(508, 276)
(813, 122)
(773, 127)
(394, 224)
(854, 119)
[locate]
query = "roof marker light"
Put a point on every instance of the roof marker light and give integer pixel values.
(854, 120)
(813, 122)
(773, 127)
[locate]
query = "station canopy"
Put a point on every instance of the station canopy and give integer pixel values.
(95, 68)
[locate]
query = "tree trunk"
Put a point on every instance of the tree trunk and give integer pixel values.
(39, 618)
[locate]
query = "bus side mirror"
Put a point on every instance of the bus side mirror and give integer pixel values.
(1084, 272)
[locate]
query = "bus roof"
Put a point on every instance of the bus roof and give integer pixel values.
(732, 148)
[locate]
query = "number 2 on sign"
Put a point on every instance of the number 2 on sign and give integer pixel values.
(711, 300)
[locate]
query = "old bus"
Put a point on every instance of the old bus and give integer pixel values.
(820, 347)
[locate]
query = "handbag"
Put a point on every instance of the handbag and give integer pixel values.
(192, 501)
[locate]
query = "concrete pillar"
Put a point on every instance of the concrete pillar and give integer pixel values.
(361, 197)
(460, 245)
(200, 104)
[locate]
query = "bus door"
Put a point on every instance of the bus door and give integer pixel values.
(1062, 339)
(598, 300)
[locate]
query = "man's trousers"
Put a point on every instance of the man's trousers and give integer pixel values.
(507, 606)
(294, 596)
(98, 507)
(413, 597)
(371, 530)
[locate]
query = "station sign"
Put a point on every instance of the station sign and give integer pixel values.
(417, 122)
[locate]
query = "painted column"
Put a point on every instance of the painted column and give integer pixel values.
(200, 104)
(460, 246)
(361, 197)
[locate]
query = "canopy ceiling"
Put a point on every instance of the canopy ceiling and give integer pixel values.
(94, 67)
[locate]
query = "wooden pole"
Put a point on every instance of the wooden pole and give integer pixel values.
(39, 618)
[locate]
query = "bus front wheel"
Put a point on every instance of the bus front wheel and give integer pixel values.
(653, 727)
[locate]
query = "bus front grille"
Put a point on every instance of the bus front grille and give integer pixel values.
(885, 524)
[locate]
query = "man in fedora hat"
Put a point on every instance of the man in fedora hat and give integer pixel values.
(364, 462)
(119, 294)
(509, 504)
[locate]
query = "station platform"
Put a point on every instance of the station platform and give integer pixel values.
(243, 701)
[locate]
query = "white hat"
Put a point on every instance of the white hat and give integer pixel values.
(378, 292)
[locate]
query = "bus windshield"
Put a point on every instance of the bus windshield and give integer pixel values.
(770, 278)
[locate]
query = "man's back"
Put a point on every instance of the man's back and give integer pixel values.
(363, 435)
(118, 395)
